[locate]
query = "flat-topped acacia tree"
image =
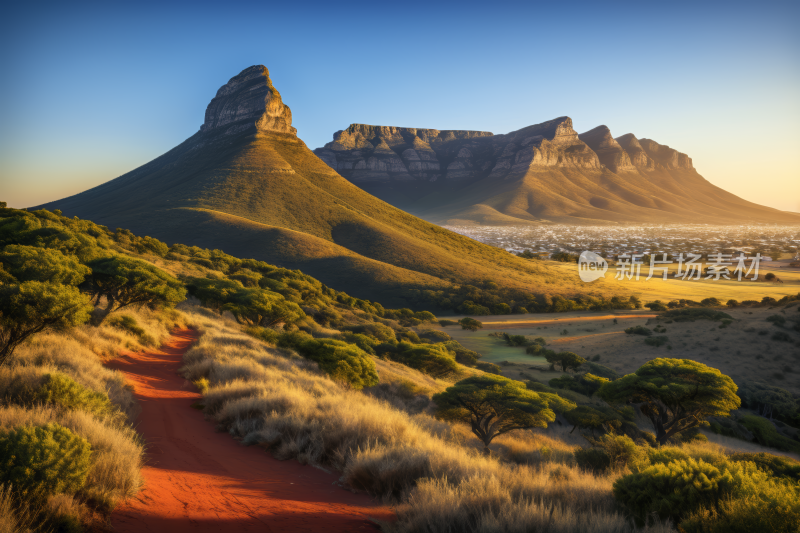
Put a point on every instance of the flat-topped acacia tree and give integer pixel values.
(125, 281)
(494, 405)
(675, 394)
(30, 307)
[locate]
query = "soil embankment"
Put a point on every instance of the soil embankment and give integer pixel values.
(198, 480)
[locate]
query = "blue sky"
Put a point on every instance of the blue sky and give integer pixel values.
(91, 91)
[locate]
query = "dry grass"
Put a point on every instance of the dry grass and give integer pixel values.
(107, 340)
(53, 352)
(117, 450)
(265, 396)
(14, 517)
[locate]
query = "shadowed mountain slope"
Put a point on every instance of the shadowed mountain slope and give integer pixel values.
(539, 174)
(247, 185)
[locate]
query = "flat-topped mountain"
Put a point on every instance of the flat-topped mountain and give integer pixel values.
(542, 173)
(245, 184)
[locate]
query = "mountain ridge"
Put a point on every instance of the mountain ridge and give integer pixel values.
(545, 173)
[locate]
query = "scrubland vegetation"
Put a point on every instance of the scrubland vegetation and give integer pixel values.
(403, 411)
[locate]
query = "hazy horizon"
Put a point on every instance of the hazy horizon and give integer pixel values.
(93, 92)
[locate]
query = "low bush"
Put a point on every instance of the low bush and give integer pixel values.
(434, 336)
(672, 490)
(777, 465)
(129, 324)
(433, 359)
(765, 433)
(444, 322)
(695, 313)
(638, 330)
(41, 461)
(658, 305)
(657, 341)
(265, 334)
(62, 391)
(758, 503)
(491, 368)
(340, 360)
(594, 459)
(777, 320)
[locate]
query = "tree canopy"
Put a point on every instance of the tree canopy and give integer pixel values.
(470, 324)
(213, 292)
(675, 394)
(30, 263)
(33, 306)
(566, 360)
(259, 307)
(495, 405)
(125, 281)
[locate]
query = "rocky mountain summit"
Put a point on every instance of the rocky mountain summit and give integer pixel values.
(248, 102)
(542, 173)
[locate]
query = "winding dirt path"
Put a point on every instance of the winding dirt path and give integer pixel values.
(198, 480)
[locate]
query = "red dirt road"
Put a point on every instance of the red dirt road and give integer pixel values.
(198, 480)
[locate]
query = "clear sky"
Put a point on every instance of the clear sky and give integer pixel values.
(91, 91)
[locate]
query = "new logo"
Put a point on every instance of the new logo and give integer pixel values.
(591, 266)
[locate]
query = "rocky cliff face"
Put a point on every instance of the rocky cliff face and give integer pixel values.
(363, 153)
(542, 173)
(666, 156)
(248, 102)
(608, 150)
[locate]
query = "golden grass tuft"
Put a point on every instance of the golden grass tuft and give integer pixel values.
(269, 398)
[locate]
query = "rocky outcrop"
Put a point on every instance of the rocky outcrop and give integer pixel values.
(665, 156)
(248, 102)
(608, 150)
(364, 153)
(636, 153)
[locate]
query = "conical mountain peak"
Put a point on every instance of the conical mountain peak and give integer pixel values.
(248, 101)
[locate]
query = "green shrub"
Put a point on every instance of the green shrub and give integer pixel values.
(693, 313)
(444, 322)
(434, 335)
(375, 330)
(776, 465)
(766, 434)
(622, 451)
(265, 334)
(657, 341)
(658, 305)
(638, 330)
(487, 367)
(341, 361)
(62, 391)
(433, 359)
(673, 490)
(129, 324)
(463, 355)
(594, 459)
(778, 320)
(42, 461)
(759, 503)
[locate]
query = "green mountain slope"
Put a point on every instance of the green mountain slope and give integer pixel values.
(247, 185)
